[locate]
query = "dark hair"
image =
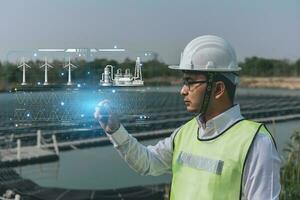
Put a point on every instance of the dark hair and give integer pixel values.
(229, 86)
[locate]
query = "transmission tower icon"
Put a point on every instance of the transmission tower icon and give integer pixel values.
(69, 66)
(23, 67)
(46, 66)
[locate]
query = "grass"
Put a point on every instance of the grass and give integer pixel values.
(290, 172)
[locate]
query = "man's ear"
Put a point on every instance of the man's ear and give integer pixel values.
(219, 89)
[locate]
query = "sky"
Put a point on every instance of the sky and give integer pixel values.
(264, 28)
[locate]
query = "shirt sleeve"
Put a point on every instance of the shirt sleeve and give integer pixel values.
(146, 160)
(261, 178)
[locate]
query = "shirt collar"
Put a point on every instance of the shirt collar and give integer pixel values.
(219, 124)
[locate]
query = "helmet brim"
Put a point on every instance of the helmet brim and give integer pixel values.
(176, 67)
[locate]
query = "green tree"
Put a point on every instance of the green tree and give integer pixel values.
(1, 72)
(12, 73)
(297, 67)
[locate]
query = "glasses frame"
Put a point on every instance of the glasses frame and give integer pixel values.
(189, 83)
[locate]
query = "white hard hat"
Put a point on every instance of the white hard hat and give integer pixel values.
(208, 53)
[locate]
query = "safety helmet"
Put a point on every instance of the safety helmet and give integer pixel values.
(213, 55)
(208, 53)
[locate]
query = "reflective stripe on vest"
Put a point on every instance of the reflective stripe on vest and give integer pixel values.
(211, 169)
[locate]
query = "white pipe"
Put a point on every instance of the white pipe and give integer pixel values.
(38, 139)
(55, 144)
(112, 73)
(19, 149)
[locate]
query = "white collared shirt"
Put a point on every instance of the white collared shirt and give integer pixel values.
(261, 177)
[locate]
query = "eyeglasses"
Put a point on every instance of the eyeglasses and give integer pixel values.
(189, 83)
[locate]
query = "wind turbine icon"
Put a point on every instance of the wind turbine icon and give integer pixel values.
(46, 66)
(69, 66)
(23, 67)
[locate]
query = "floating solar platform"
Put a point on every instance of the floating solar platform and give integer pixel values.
(28, 155)
(29, 190)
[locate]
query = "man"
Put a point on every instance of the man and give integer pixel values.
(216, 155)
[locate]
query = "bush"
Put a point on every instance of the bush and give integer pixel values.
(290, 172)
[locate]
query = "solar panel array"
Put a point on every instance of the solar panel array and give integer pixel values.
(69, 114)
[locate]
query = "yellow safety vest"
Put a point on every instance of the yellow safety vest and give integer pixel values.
(211, 169)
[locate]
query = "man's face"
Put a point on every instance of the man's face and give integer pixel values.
(193, 93)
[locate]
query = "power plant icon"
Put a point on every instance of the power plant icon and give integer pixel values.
(119, 79)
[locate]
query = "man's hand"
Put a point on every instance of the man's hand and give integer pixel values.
(106, 117)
